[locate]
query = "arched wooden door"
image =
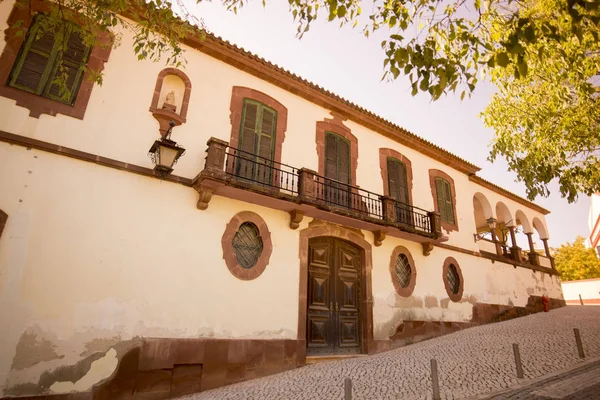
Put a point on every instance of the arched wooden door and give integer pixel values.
(333, 298)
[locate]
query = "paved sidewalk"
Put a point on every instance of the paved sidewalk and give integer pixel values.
(581, 382)
(471, 362)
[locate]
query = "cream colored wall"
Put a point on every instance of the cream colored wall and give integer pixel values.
(484, 282)
(91, 253)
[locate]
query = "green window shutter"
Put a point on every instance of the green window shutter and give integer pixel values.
(343, 148)
(74, 58)
(267, 123)
(258, 127)
(392, 168)
(34, 63)
(444, 200)
(441, 202)
(330, 156)
(448, 202)
(247, 140)
(42, 61)
(337, 158)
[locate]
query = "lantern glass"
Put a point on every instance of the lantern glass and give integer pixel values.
(492, 223)
(167, 156)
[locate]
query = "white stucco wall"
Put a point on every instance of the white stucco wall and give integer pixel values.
(589, 289)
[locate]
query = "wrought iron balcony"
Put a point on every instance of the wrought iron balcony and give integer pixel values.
(235, 173)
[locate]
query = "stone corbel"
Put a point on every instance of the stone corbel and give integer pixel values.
(296, 217)
(379, 237)
(205, 188)
(427, 248)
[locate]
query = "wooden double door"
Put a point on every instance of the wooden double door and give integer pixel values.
(333, 298)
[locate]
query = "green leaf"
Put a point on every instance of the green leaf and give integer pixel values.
(502, 59)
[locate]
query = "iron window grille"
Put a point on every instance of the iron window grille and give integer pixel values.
(453, 278)
(247, 245)
(403, 270)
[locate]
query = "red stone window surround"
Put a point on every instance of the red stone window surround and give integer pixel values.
(3, 218)
(231, 229)
(436, 173)
(336, 125)
(456, 297)
(38, 105)
(178, 115)
(238, 94)
(384, 153)
(408, 290)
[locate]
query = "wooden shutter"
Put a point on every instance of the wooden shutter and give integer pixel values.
(392, 169)
(402, 183)
(41, 61)
(247, 141)
(343, 150)
(267, 132)
(330, 156)
(337, 158)
(35, 60)
(448, 202)
(73, 59)
(439, 191)
(444, 199)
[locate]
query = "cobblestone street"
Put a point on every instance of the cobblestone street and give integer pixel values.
(470, 362)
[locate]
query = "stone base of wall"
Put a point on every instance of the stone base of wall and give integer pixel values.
(415, 331)
(165, 368)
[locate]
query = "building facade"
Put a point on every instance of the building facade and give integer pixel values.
(297, 224)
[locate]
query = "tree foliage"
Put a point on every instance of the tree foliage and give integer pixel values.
(547, 121)
(576, 261)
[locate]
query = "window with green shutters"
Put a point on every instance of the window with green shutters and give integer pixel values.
(42, 63)
(443, 192)
(337, 158)
(257, 141)
(397, 180)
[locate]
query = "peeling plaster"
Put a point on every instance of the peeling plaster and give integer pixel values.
(32, 350)
(99, 369)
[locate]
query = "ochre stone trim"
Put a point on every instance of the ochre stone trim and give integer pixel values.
(336, 125)
(3, 219)
(231, 229)
(318, 229)
(436, 173)
(407, 291)
(383, 156)
(456, 297)
(182, 114)
(38, 105)
(236, 107)
(93, 158)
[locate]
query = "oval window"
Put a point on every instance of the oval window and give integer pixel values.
(403, 270)
(247, 245)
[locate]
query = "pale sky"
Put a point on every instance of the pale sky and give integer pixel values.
(347, 63)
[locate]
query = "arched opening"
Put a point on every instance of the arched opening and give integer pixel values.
(504, 223)
(483, 214)
(543, 250)
(523, 230)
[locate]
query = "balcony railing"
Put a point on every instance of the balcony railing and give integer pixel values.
(303, 186)
(261, 171)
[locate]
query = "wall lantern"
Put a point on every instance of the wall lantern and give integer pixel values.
(492, 223)
(165, 152)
